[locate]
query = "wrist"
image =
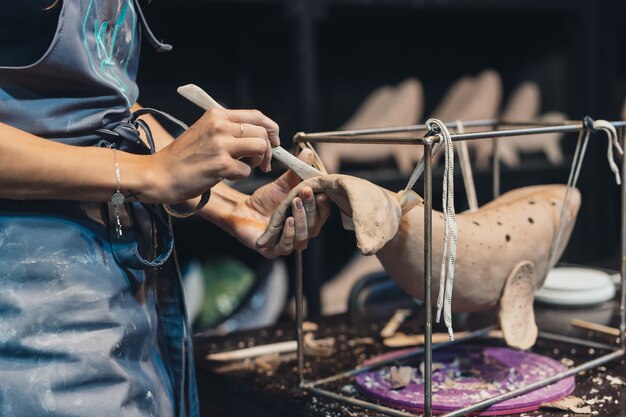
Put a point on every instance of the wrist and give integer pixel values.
(139, 180)
(223, 204)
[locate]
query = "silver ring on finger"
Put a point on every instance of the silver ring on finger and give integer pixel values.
(241, 128)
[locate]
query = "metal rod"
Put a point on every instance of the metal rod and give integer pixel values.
(622, 305)
(299, 319)
(418, 127)
(495, 158)
(575, 340)
(531, 387)
(363, 138)
(398, 358)
(428, 310)
(395, 129)
(360, 403)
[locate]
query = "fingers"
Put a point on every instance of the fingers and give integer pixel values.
(253, 148)
(237, 170)
(255, 117)
(308, 200)
(301, 234)
(285, 244)
(295, 234)
(317, 210)
(221, 122)
(253, 131)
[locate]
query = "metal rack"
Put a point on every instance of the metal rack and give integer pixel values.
(373, 136)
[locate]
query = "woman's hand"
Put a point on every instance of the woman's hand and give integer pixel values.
(250, 217)
(214, 149)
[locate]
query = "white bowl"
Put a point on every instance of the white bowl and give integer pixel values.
(573, 286)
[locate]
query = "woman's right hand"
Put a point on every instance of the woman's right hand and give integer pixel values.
(213, 149)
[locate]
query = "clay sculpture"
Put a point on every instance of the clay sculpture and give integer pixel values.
(386, 106)
(502, 247)
(469, 98)
(525, 105)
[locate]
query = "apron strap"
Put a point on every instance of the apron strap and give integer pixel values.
(156, 44)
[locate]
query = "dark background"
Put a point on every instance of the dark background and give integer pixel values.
(309, 63)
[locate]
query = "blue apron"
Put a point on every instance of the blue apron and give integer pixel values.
(90, 324)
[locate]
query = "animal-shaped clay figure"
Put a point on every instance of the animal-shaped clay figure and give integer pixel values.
(385, 107)
(525, 105)
(502, 249)
(469, 98)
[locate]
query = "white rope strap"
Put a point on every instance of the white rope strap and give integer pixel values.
(448, 258)
(611, 134)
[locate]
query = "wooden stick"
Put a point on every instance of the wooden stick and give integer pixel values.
(600, 328)
(233, 355)
(203, 100)
(261, 350)
(466, 170)
(400, 340)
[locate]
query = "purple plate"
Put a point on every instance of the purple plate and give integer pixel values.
(470, 374)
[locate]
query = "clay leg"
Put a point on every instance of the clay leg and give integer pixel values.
(553, 151)
(508, 153)
(517, 317)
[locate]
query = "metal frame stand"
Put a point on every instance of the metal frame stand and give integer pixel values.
(370, 136)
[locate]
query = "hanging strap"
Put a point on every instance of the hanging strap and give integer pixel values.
(448, 257)
(156, 44)
(611, 134)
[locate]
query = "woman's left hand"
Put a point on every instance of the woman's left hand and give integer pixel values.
(250, 217)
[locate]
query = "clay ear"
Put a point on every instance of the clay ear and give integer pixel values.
(374, 211)
(517, 316)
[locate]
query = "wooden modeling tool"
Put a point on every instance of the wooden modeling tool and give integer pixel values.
(200, 98)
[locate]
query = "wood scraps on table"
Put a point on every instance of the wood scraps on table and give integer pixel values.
(402, 340)
(395, 322)
(320, 347)
(400, 376)
(598, 328)
(571, 403)
(267, 358)
(393, 338)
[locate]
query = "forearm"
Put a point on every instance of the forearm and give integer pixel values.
(35, 168)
